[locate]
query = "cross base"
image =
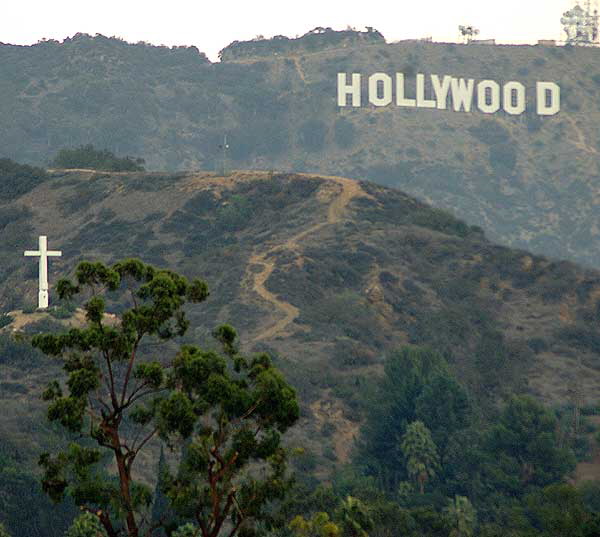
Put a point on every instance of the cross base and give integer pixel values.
(43, 300)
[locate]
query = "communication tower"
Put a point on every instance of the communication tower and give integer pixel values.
(467, 33)
(222, 168)
(580, 24)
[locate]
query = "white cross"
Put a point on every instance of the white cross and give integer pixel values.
(43, 254)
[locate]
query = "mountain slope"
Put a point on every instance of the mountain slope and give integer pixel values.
(326, 273)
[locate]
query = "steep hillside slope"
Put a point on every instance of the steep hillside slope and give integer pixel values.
(529, 182)
(327, 273)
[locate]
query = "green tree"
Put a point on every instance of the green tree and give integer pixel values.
(231, 409)
(420, 453)
(443, 406)
(86, 525)
(521, 449)
(318, 526)
(3, 532)
(355, 517)
(462, 515)
(392, 408)
(160, 506)
(559, 511)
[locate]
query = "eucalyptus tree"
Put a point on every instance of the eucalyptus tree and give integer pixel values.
(120, 395)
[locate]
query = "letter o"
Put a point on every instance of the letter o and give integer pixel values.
(482, 101)
(517, 89)
(374, 81)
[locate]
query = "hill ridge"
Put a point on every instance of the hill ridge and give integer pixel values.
(327, 274)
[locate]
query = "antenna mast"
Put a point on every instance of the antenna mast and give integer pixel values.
(224, 146)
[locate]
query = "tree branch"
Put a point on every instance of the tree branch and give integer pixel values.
(201, 524)
(135, 305)
(223, 515)
(113, 394)
(241, 519)
(132, 394)
(130, 367)
(136, 450)
(141, 396)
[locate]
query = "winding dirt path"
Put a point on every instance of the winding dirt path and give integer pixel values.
(349, 189)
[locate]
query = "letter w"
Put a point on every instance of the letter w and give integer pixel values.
(462, 94)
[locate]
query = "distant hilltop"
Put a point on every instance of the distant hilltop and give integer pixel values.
(318, 38)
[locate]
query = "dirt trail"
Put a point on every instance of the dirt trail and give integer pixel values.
(349, 190)
(580, 142)
(299, 68)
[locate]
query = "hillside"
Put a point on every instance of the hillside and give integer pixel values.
(327, 273)
(529, 182)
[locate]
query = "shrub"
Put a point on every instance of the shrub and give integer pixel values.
(329, 453)
(29, 308)
(18, 179)
(61, 312)
(537, 345)
(5, 319)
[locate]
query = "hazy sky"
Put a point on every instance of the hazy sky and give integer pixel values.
(213, 25)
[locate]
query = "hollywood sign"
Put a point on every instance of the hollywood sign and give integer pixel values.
(488, 95)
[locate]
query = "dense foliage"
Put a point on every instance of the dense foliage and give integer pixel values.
(86, 156)
(18, 179)
(429, 465)
(25, 511)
